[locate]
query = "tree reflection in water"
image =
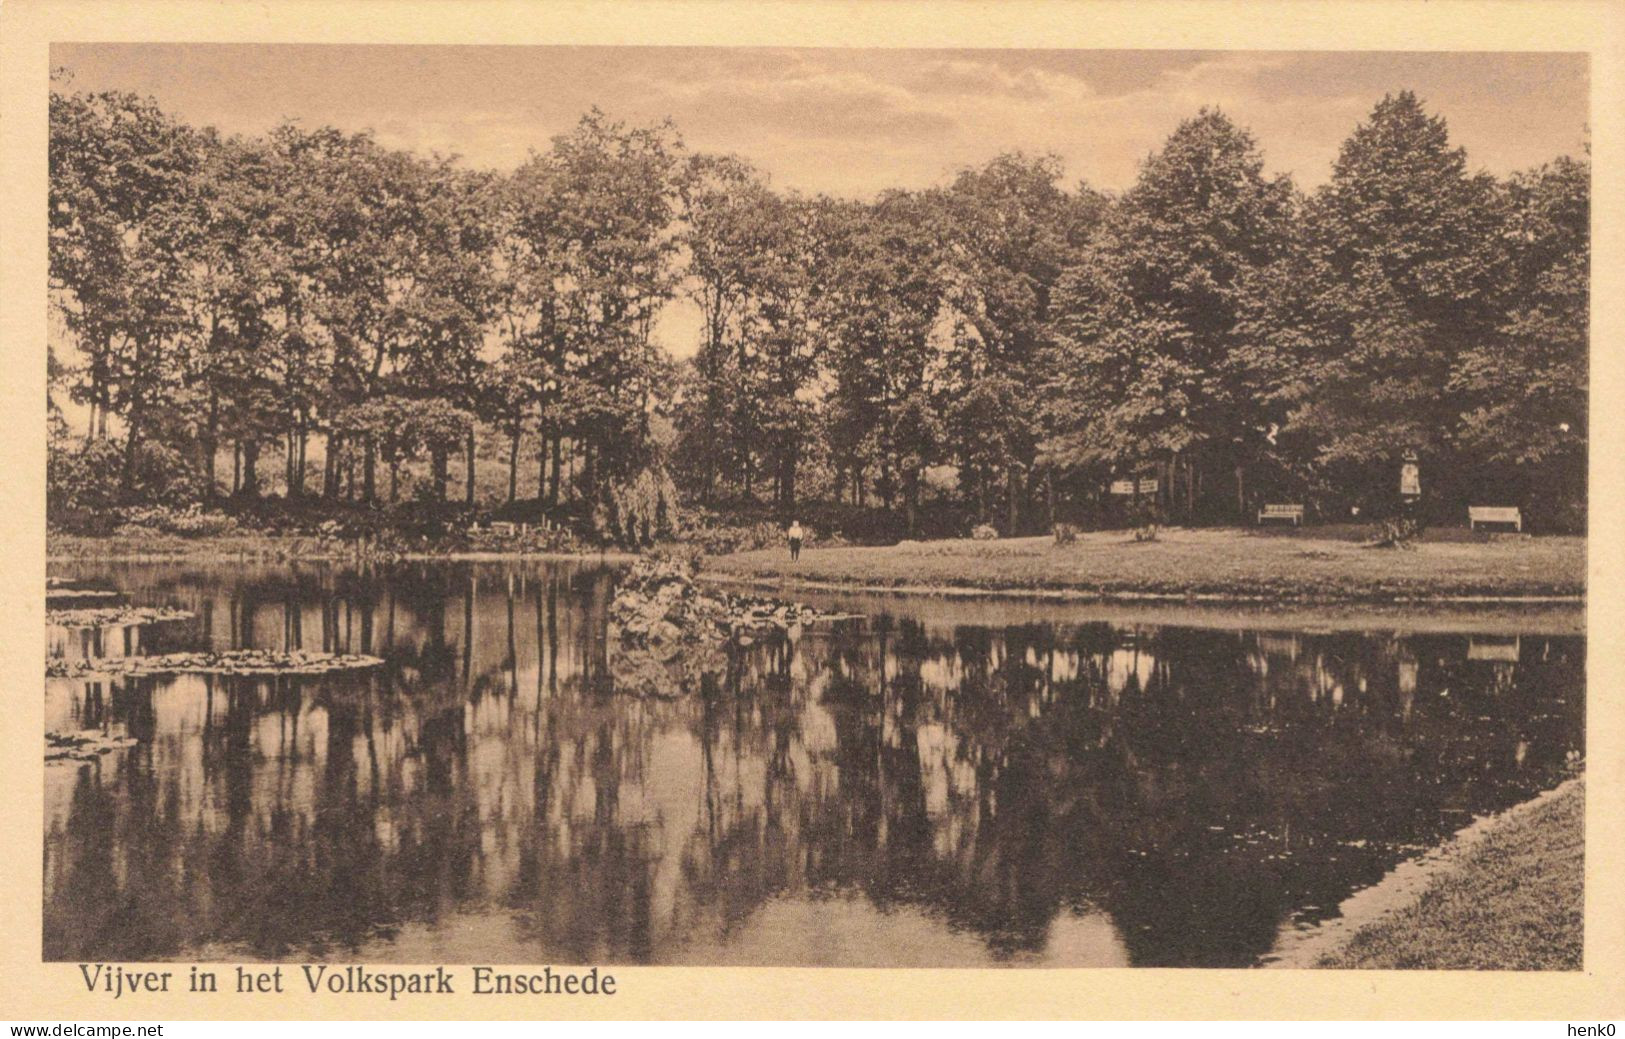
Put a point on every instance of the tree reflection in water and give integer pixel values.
(881, 793)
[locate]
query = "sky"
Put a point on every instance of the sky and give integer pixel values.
(854, 121)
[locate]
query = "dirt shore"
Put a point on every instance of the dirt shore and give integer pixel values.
(274, 548)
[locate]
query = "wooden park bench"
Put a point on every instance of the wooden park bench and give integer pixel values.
(1477, 514)
(1282, 512)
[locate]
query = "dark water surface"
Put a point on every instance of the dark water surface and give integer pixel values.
(890, 792)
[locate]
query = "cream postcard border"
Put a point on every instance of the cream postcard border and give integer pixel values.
(30, 990)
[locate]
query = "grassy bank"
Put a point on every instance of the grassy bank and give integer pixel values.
(1514, 901)
(1275, 566)
(1228, 562)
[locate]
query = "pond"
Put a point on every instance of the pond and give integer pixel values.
(908, 789)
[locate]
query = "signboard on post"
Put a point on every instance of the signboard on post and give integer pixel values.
(1148, 485)
(1124, 487)
(1410, 480)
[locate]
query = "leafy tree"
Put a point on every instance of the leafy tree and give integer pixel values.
(725, 204)
(1525, 390)
(528, 374)
(880, 302)
(1154, 357)
(1009, 231)
(752, 258)
(598, 209)
(244, 295)
(309, 283)
(397, 255)
(120, 232)
(1409, 263)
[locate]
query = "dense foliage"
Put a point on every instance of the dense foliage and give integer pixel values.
(997, 350)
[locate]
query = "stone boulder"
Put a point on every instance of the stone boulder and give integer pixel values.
(659, 603)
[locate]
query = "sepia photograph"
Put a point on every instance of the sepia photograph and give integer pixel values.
(770, 506)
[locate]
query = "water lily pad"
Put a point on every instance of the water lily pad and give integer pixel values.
(114, 616)
(78, 747)
(227, 662)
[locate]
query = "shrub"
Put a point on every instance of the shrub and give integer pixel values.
(641, 509)
(165, 476)
(984, 532)
(721, 539)
(190, 522)
(82, 481)
(87, 480)
(1065, 533)
(1395, 532)
(1147, 519)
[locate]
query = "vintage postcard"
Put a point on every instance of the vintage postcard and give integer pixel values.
(811, 510)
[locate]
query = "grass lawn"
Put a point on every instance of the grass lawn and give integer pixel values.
(1514, 902)
(1314, 564)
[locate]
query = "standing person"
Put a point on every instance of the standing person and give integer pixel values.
(795, 534)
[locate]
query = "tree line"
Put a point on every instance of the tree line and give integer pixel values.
(1003, 346)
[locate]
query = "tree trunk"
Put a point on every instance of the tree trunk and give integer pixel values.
(790, 478)
(438, 468)
(589, 472)
(513, 467)
(1241, 492)
(369, 471)
(132, 440)
(542, 448)
(330, 466)
(567, 477)
(558, 461)
(296, 461)
(236, 467)
(911, 497)
(1013, 488)
(304, 440)
(251, 478)
(211, 446)
(1190, 492)
(101, 417)
(468, 477)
